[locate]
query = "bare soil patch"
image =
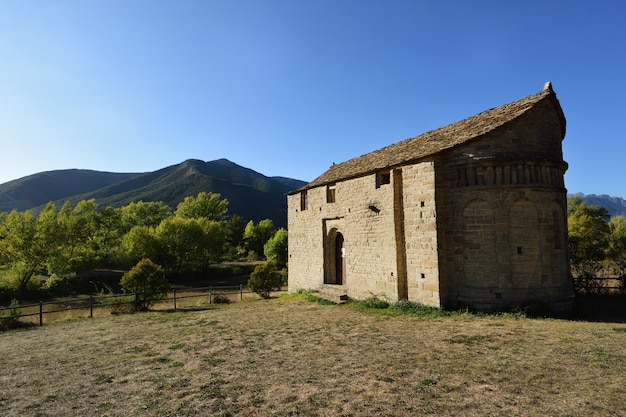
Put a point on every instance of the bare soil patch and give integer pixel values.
(289, 356)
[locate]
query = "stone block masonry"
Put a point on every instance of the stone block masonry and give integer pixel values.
(469, 215)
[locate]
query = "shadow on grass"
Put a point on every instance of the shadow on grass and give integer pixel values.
(600, 308)
(186, 309)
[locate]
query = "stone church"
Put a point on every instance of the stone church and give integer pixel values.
(472, 215)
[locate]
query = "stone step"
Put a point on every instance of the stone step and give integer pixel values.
(334, 293)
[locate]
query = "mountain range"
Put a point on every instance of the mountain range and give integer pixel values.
(616, 206)
(250, 194)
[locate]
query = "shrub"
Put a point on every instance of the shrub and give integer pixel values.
(375, 302)
(265, 278)
(221, 299)
(147, 281)
(10, 320)
(284, 275)
(411, 307)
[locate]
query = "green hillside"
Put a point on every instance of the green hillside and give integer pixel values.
(38, 189)
(250, 194)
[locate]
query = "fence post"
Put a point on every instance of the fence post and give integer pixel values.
(210, 296)
(240, 292)
(41, 313)
(91, 306)
(174, 299)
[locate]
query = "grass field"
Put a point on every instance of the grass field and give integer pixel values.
(292, 357)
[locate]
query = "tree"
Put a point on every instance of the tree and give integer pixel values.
(79, 226)
(588, 236)
(149, 214)
(206, 205)
(52, 238)
(276, 248)
(108, 236)
(22, 249)
(213, 243)
(147, 281)
(142, 242)
(3, 236)
(190, 242)
(234, 230)
(265, 278)
(616, 253)
(255, 237)
(181, 241)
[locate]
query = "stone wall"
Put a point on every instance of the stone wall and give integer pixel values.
(363, 214)
(420, 215)
(367, 213)
(502, 218)
(482, 224)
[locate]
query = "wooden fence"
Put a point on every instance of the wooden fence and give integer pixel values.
(600, 286)
(103, 305)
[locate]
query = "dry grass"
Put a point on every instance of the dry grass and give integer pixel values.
(289, 356)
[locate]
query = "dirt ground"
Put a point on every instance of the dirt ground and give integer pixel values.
(288, 356)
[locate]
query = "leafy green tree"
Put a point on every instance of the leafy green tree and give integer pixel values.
(181, 241)
(255, 237)
(149, 214)
(108, 236)
(23, 252)
(147, 281)
(588, 236)
(213, 243)
(234, 229)
(208, 206)
(616, 253)
(3, 235)
(79, 227)
(142, 242)
(53, 238)
(276, 248)
(265, 278)
(190, 242)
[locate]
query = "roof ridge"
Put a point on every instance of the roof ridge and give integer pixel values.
(432, 142)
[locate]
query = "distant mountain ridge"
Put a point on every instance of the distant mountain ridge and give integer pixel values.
(37, 189)
(251, 195)
(616, 206)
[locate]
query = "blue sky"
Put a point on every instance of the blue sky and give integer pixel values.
(288, 87)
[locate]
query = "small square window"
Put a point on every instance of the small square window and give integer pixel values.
(382, 178)
(519, 250)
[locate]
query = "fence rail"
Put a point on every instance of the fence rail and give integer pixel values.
(600, 285)
(102, 305)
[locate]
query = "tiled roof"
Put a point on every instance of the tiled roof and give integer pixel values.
(435, 141)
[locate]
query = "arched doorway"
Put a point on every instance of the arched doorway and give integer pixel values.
(335, 258)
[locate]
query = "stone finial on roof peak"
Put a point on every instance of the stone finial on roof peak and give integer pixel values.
(547, 87)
